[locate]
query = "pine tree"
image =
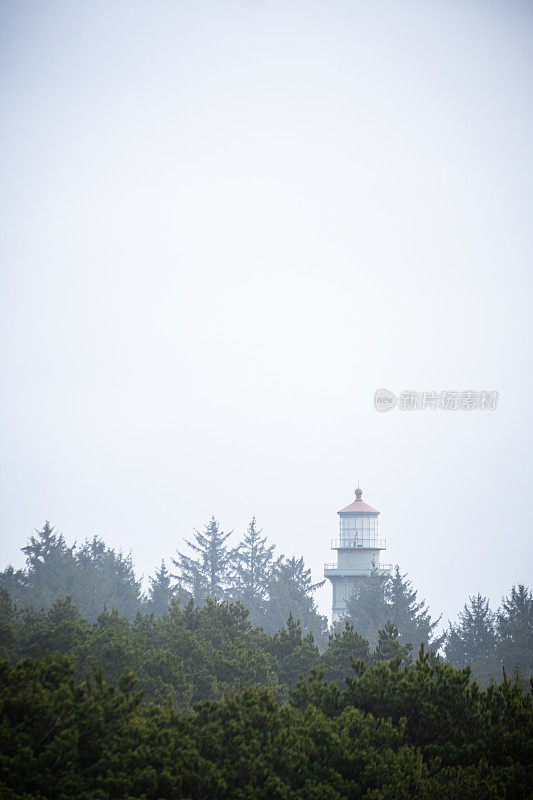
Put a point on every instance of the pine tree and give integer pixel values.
(290, 591)
(382, 598)
(344, 645)
(367, 608)
(50, 568)
(105, 578)
(207, 575)
(93, 575)
(389, 645)
(411, 617)
(515, 632)
(251, 564)
(472, 641)
(15, 583)
(162, 592)
(295, 654)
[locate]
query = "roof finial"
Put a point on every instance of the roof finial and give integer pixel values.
(358, 492)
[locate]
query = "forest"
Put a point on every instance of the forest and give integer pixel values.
(223, 680)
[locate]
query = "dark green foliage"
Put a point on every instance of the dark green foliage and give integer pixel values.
(344, 645)
(389, 645)
(294, 654)
(225, 651)
(316, 691)
(191, 701)
(62, 628)
(395, 733)
(61, 741)
(446, 715)
(7, 624)
(80, 725)
(87, 602)
(187, 654)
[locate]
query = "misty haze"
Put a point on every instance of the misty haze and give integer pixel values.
(265, 289)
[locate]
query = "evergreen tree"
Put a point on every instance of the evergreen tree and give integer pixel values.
(93, 576)
(15, 583)
(206, 575)
(367, 608)
(50, 571)
(344, 645)
(162, 592)
(44, 548)
(105, 578)
(251, 564)
(472, 641)
(395, 733)
(410, 617)
(290, 591)
(381, 598)
(515, 632)
(389, 645)
(295, 654)
(61, 628)
(50, 568)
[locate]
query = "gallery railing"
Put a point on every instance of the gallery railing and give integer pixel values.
(358, 543)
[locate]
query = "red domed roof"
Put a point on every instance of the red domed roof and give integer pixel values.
(358, 507)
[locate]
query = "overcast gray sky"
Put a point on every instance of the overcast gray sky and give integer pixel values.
(223, 227)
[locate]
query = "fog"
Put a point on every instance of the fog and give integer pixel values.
(224, 226)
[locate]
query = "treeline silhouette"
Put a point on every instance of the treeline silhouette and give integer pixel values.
(183, 692)
(101, 584)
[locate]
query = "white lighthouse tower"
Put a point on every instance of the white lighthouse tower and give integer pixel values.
(358, 548)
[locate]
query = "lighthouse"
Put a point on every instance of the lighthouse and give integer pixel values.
(358, 547)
